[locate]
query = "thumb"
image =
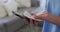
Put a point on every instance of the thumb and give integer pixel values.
(37, 17)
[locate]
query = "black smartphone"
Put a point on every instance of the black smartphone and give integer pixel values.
(16, 13)
(22, 17)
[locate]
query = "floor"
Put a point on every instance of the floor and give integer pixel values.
(31, 29)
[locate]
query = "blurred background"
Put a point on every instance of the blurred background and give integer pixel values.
(12, 23)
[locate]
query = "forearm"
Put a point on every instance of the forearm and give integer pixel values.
(53, 19)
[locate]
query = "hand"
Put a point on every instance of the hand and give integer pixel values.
(30, 21)
(42, 16)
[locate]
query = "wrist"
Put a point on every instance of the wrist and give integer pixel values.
(45, 16)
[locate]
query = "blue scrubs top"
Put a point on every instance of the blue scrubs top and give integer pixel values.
(52, 6)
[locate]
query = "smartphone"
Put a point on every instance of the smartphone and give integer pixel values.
(22, 17)
(18, 14)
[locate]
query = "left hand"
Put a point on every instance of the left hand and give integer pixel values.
(42, 16)
(30, 21)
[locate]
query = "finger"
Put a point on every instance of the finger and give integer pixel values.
(31, 22)
(35, 22)
(37, 17)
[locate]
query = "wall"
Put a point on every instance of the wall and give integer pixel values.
(24, 3)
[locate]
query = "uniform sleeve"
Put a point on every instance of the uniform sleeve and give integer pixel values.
(47, 6)
(59, 13)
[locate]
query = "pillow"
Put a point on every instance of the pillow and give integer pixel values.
(24, 3)
(10, 5)
(2, 11)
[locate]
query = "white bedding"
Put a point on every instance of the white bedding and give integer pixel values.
(2, 11)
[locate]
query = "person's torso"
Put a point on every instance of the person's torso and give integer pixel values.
(54, 8)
